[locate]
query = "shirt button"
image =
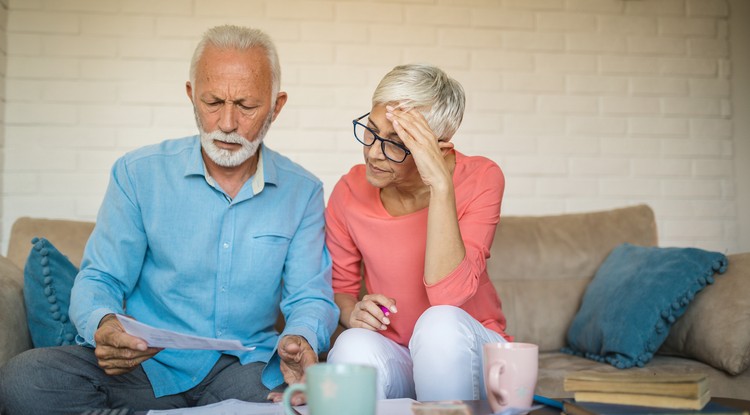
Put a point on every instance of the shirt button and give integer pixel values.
(226, 245)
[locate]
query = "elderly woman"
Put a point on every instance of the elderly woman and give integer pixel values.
(417, 219)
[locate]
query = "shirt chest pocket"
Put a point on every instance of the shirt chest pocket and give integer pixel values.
(269, 251)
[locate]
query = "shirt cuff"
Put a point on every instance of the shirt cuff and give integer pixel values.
(92, 324)
(308, 334)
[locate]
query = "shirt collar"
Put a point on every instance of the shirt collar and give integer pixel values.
(258, 181)
(264, 173)
(195, 165)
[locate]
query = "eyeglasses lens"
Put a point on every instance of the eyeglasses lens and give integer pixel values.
(390, 150)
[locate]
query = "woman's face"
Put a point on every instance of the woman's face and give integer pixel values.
(382, 172)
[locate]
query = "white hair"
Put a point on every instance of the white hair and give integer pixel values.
(239, 38)
(428, 89)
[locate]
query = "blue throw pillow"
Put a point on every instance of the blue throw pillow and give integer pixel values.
(48, 278)
(633, 300)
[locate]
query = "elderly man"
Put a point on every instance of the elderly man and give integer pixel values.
(210, 235)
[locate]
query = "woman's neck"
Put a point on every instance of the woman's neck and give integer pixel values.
(402, 200)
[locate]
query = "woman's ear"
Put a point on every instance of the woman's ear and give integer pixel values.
(445, 146)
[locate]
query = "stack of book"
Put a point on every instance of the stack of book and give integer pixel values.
(594, 408)
(640, 388)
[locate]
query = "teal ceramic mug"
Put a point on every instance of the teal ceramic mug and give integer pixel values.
(333, 389)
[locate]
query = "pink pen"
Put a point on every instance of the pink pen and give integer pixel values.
(385, 310)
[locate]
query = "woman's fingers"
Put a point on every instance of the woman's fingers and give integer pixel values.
(365, 315)
(369, 314)
(411, 126)
(383, 300)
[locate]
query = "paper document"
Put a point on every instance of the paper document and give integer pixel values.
(227, 407)
(172, 340)
(237, 407)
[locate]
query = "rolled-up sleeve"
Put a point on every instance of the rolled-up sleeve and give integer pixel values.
(477, 223)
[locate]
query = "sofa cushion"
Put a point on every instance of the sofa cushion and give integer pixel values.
(716, 327)
(541, 265)
(634, 298)
(48, 279)
(528, 307)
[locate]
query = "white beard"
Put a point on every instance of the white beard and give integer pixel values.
(224, 157)
(229, 158)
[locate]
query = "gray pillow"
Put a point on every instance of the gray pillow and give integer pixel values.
(715, 329)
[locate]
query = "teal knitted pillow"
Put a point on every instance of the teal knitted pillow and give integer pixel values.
(633, 300)
(48, 279)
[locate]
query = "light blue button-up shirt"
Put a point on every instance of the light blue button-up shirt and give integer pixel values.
(185, 256)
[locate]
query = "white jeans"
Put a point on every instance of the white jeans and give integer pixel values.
(443, 360)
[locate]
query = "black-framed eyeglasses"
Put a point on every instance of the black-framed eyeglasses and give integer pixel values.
(393, 151)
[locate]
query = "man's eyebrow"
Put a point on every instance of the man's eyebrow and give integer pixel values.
(211, 97)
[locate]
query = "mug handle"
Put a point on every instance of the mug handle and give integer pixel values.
(497, 369)
(286, 399)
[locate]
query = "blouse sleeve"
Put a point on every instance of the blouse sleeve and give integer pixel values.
(477, 222)
(345, 255)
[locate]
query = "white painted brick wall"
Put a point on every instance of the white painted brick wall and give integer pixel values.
(3, 97)
(585, 104)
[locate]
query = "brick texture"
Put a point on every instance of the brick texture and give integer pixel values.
(585, 104)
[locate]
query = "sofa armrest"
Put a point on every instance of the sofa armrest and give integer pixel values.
(14, 332)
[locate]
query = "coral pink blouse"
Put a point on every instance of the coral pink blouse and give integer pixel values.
(360, 232)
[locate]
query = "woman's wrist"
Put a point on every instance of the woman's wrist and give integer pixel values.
(443, 190)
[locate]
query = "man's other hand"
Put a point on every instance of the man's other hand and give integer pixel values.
(116, 351)
(296, 355)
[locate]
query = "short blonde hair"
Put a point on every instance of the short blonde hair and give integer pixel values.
(428, 89)
(239, 38)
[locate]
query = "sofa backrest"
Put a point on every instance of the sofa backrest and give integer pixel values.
(68, 236)
(541, 265)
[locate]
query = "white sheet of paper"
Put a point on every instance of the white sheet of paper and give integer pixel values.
(172, 340)
(237, 407)
(227, 407)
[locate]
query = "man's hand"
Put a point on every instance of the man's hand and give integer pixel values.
(116, 351)
(296, 355)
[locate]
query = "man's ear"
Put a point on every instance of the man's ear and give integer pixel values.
(280, 101)
(189, 91)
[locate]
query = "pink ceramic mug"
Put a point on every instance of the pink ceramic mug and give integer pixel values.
(510, 371)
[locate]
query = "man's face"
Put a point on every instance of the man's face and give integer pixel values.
(233, 105)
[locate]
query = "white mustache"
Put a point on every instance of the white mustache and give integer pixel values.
(231, 138)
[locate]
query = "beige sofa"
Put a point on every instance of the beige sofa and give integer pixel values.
(540, 267)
